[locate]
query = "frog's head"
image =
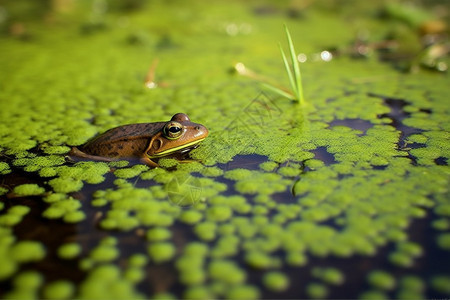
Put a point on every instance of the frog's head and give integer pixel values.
(177, 135)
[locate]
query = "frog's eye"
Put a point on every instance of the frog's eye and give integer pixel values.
(173, 130)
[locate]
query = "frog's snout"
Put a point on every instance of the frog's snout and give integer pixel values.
(201, 132)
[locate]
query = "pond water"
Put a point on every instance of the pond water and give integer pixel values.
(345, 196)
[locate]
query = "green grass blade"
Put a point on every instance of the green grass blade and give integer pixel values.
(296, 67)
(288, 71)
(278, 91)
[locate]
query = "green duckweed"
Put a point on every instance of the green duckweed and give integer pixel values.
(381, 280)
(276, 281)
(441, 284)
(411, 287)
(59, 290)
(69, 250)
(26, 285)
(206, 230)
(268, 166)
(243, 292)
(316, 291)
(65, 185)
(27, 251)
(198, 292)
(161, 252)
(106, 281)
(219, 213)
(226, 271)
(134, 275)
(4, 168)
(29, 189)
(158, 234)
(334, 178)
(258, 259)
(443, 240)
(441, 224)
(191, 216)
(329, 275)
(104, 253)
(130, 172)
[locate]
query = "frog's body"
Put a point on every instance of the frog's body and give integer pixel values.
(144, 141)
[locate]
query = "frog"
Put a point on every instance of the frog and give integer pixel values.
(144, 141)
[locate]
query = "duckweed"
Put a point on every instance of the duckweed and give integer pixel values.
(411, 287)
(161, 252)
(206, 230)
(329, 275)
(219, 213)
(381, 280)
(59, 290)
(441, 284)
(74, 216)
(441, 224)
(191, 216)
(276, 281)
(130, 172)
(28, 190)
(198, 292)
(69, 250)
(27, 251)
(347, 175)
(158, 234)
(316, 291)
(243, 292)
(104, 253)
(226, 271)
(260, 260)
(4, 168)
(106, 281)
(65, 185)
(28, 280)
(443, 241)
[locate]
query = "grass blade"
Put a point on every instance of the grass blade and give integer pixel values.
(295, 65)
(278, 91)
(288, 71)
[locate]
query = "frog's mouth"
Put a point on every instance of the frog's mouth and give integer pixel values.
(181, 149)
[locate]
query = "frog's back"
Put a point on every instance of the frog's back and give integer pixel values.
(127, 140)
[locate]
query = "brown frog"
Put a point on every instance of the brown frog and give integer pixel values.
(144, 141)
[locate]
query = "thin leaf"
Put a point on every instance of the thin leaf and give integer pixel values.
(279, 91)
(288, 70)
(296, 67)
